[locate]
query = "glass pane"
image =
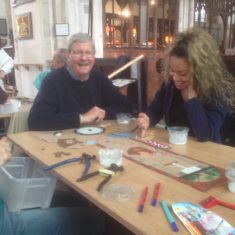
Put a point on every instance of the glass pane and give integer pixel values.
(166, 13)
(217, 29)
(216, 16)
(140, 23)
(136, 22)
(151, 11)
(117, 14)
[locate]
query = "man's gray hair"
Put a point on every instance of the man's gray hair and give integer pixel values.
(82, 38)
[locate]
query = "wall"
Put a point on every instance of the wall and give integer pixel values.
(31, 54)
(39, 49)
(5, 13)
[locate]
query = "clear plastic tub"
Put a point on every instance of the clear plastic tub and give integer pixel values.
(178, 134)
(118, 192)
(24, 185)
(110, 156)
(11, 106)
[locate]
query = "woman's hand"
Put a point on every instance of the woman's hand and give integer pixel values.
(143, 123)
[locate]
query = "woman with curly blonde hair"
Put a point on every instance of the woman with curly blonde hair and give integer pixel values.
(198, 91)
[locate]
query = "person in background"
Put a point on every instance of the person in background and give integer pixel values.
(76, 94)
(6, 66)
(54, 220)
(2, 74)
(3, 94)
(3, 99)
(198, 91)
(59, 60)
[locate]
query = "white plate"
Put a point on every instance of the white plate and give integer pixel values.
(89, 130)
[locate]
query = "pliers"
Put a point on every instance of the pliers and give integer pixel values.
(84, 158)
(106, 172)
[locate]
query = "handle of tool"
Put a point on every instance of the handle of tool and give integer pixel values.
(226, 204)
(75, 159)
(110, 76)
(85, 177)
(87, 167)
(101, 185)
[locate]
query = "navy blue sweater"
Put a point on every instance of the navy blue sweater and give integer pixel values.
(203, 120)
(62, 98)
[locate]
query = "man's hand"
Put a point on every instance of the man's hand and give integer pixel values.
(4, 150)
(95, 114)
(143, 123)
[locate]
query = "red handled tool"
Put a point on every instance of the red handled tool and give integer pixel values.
(212, 201)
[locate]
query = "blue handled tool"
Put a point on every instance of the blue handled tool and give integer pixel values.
(84, 158)
(87, 165)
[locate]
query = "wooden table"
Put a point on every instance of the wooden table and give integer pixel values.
(152, 220)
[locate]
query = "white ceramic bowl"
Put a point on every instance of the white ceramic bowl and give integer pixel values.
(110, 156)
(178, 134)
(11, 106)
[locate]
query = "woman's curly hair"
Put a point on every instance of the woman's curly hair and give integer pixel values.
(212, 81)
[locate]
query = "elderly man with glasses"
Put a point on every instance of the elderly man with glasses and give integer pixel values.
(76, 94)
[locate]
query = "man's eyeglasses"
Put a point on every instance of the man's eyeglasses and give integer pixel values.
(83, 53)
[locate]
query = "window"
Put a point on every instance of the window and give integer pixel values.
(139, 23)
(216, 16)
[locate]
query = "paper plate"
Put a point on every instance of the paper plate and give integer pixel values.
(89, 130)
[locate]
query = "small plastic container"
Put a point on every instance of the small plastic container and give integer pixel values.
(110, 156)
(24, 185)
(118, 192)
(178, 134)
(124, 118)
(230, 174)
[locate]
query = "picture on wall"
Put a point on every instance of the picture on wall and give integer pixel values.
(62, 29)
(24, 28)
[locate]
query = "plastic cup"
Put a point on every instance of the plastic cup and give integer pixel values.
(110, 156)
(178, 134)
(230, 174)
(123, 118)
